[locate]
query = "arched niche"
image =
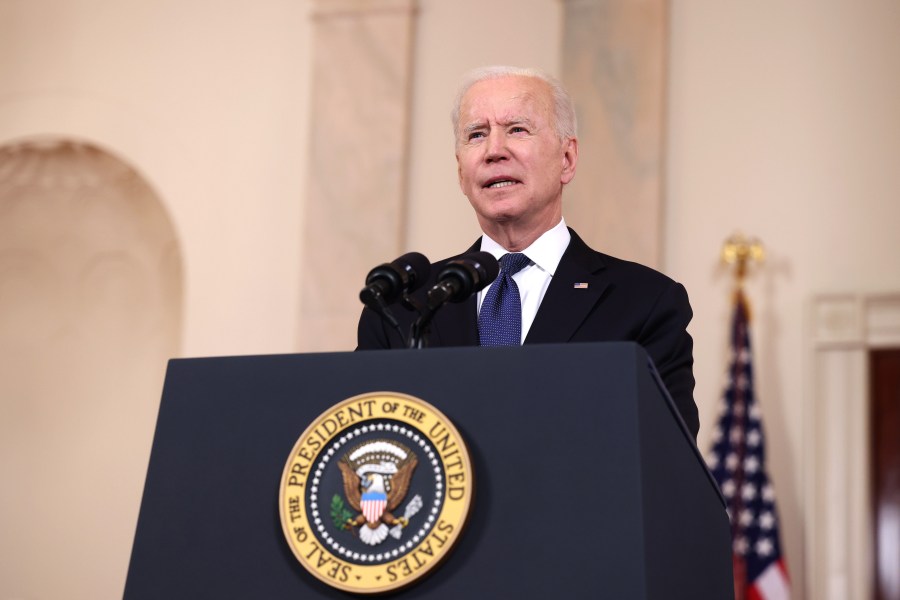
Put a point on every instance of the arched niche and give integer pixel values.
(90, 310)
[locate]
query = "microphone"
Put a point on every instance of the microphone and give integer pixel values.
(457, 280)
(386, 283)
(462, 277)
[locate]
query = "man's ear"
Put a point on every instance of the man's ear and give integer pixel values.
(459, 173)
(569, 160)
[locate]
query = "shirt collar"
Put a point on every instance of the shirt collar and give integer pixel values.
(545, 252)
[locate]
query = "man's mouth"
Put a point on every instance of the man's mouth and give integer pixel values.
(499, 183)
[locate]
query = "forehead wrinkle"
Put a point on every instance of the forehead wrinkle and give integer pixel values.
(515, 120)
(481, 110)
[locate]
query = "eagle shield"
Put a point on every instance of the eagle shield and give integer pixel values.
(373, 505)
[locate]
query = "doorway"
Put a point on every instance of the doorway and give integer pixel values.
(884, 372)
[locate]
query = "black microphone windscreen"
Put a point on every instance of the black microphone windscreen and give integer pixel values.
(489, 266)
(417, 267)
(388, 282)
(469, 274)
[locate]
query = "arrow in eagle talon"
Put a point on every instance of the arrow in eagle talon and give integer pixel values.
(414, 506)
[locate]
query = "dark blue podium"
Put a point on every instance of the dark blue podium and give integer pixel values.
(587, 483)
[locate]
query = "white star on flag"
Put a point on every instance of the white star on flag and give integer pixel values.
(728, 488)
(753, 438)
(746, 517)
(764, 547)
(748, 491)
(751, 464)
(731, 461)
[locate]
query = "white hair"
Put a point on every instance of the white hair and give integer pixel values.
(564, 109)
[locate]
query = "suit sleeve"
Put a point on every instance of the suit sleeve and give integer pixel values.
(371, 333)
(664, 335)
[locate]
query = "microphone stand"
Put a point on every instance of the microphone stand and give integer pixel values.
(375, 301)
(418, 331)
(421, 327)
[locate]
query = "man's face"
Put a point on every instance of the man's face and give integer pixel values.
(512, 164)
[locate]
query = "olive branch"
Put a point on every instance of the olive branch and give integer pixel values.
(339, 513)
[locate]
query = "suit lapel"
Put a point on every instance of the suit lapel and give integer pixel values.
(565, 306)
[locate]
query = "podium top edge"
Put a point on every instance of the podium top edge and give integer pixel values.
(633, 346)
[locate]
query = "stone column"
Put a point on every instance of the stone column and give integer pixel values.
(614, 65)
(355, 204)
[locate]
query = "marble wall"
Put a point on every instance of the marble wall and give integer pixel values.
(614, 65)
(356, 190)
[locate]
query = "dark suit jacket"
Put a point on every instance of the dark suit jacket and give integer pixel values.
(623, 301)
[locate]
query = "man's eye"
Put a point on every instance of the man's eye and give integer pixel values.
(518, 129)
(476, 134)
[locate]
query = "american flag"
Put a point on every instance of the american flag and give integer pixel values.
(737, 461)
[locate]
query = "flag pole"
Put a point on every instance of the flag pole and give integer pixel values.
(741, 253)
(737, 459)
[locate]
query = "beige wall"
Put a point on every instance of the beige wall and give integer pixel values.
(782, 122)
(207, 101)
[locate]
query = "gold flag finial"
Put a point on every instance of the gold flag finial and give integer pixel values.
(740, 251)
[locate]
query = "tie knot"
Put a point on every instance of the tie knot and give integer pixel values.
(513, 262)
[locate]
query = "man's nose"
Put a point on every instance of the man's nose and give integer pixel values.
(496, 148)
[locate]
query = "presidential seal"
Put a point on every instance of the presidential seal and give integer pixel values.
(375, 492)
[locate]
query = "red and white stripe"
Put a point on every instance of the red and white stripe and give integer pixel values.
(373, 509)
(772, 584)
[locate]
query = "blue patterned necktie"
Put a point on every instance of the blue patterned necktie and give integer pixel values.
(500, 319)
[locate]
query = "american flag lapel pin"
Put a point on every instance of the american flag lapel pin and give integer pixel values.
(581, 286)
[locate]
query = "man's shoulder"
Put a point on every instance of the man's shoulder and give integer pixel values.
(635, 269)
(614, 267)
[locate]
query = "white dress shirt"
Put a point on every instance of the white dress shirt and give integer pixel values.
(534, 279)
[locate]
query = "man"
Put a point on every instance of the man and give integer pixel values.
(516, 149)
